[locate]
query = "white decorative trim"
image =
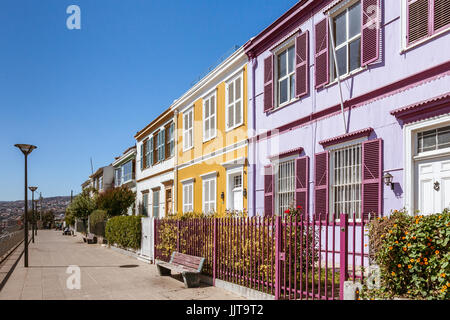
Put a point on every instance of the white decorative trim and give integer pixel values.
(188, 180)
(234, 163)
(279, 45)
(209, 175)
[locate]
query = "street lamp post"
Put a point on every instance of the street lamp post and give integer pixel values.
(26, 150)
(33, 207)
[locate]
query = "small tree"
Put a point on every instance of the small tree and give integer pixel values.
(82, 206)
(48, 218)
(116, 201)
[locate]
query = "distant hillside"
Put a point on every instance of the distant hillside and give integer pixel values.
(12, 209)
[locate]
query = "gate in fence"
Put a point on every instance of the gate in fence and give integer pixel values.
(147, 239)
(290, 258)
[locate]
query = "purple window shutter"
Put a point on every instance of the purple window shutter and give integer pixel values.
(302, 184)
(370, 31)
(302, 64)
(321, 59)
(418, 20)
(268, 191)
(321, 185)
(372, 176)
(268, 83)
(441, 14)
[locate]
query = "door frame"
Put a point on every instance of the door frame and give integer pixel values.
(231, 172)
(411, 158)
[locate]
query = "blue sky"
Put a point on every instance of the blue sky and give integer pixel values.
(84, 93)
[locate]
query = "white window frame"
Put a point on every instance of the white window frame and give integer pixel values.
(171, 142)
(241, 99)
(410, 144)
(207, 179)
(281, 161)
(145, 203)
(190, 204)
(212, 117)
(190, 130)
(122, 174)
(333, 77)
(284, 47)
(331, 168)
(158, 191)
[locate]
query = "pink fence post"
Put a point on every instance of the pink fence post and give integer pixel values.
(277, 257)
(178, 235)
(343, 263)
(214, 251)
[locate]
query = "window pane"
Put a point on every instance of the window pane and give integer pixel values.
(355, 54)
(238, 88)
(283, 91)
(354, 20)
(230, 116)
(206, 108)
(282, 65)
(341, 57)
(292, 86)
(444, 138)
(340, 29)
(238, 112)
(213, 105)
(291, 56)
(231, 93)
(207, 134)
(429, 141)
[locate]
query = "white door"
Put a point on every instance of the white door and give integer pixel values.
(146, 241)
(433, 187)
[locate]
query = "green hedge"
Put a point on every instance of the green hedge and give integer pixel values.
(413, 255)
(124, 231)
(97, 222)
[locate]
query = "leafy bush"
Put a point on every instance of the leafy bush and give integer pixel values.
(413, 255)
(97, 222)
(116, 201)
(124, 231)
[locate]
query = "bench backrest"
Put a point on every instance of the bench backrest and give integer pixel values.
(188, 261)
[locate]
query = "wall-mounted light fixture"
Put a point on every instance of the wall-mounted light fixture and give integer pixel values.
(222, 195)
(388, 180)
(245, 192)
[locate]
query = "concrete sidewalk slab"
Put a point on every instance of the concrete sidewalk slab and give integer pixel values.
(102, 277)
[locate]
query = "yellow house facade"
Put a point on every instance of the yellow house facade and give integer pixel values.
(211, 152)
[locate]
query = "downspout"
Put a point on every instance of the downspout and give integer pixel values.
(175, 175)
(254, 64)
(337, 71)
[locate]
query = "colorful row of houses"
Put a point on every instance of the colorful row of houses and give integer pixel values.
(339, 106)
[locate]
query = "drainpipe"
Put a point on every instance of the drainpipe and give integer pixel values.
(175, 175)
(253, 164)
(337, 71)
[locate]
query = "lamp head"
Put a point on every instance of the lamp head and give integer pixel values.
(32, 189)
(25, 148)
(387, 178)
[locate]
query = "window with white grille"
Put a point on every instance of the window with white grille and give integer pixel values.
(188, 133)
(285, 185)
(209, 118)
(188, 197)
(345, 174)
(347, 39)
(234, 110)
(432, 140)
(286, 75)
(209, 195)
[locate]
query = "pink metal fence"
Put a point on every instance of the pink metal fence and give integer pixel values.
(290, 258)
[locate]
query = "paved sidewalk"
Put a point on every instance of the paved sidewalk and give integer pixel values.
(102, 276)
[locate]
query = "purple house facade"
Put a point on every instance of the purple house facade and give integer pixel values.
(349, 109)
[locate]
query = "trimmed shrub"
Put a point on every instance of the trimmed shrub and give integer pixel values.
(413, 255)
(97, 222)
(124, 231)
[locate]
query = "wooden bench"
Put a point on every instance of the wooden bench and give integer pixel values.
(189, 267)
(90, 238)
